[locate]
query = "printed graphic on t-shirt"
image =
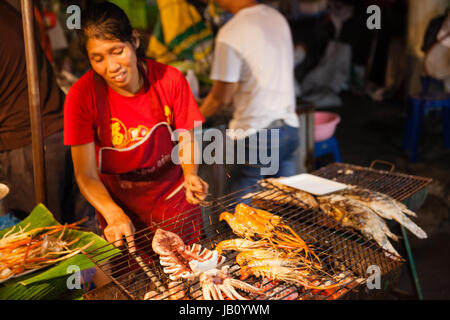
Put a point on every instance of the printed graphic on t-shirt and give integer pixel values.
(122, 137)
(168, 114)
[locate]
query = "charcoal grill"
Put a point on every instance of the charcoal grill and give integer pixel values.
(341, 248)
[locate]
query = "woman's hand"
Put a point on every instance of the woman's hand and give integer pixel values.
(119, 226)
(196, 188)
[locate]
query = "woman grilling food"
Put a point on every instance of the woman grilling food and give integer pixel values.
(119, 119)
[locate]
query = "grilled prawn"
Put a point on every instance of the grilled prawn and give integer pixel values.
(239, 244)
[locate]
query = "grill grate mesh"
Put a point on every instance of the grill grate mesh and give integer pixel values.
(397, 185)
(340, 248)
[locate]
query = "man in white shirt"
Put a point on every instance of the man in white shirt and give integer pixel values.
(253, 70)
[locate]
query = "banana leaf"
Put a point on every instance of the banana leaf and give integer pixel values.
(52, 281)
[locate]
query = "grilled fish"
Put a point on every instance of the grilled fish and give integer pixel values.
(351, 213)
(287, 195)
(385, 206)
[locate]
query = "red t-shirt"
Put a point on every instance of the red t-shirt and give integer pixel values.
(131, 117)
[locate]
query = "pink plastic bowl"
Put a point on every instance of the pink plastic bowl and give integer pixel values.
(325, 125)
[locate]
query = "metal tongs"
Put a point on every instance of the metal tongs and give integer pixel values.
(206, 203)
(202, 203)
(152, 276)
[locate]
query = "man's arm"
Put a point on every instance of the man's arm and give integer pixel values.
(220, 96)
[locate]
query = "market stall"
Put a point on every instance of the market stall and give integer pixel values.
(306, 246)
(333, 251)
(272, 241)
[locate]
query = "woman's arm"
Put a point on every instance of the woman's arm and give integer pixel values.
(93, 189)
(196, 188)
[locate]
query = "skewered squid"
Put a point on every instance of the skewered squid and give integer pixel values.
(181, 261)
(189, 262)
(217, 282)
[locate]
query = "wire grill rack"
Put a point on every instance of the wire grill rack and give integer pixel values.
(341, 249)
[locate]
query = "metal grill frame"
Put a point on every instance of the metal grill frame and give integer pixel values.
(397, 185)
(132, 284)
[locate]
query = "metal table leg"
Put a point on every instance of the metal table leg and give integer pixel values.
(412, 264)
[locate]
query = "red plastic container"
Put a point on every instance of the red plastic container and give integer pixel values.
(325, 125)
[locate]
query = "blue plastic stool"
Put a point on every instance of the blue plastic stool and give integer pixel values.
(8, 220)
(329, 146)
(418, 106)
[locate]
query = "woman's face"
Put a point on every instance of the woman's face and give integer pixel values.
(116, 62)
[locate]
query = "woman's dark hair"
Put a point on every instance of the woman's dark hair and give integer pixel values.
(107, 21)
